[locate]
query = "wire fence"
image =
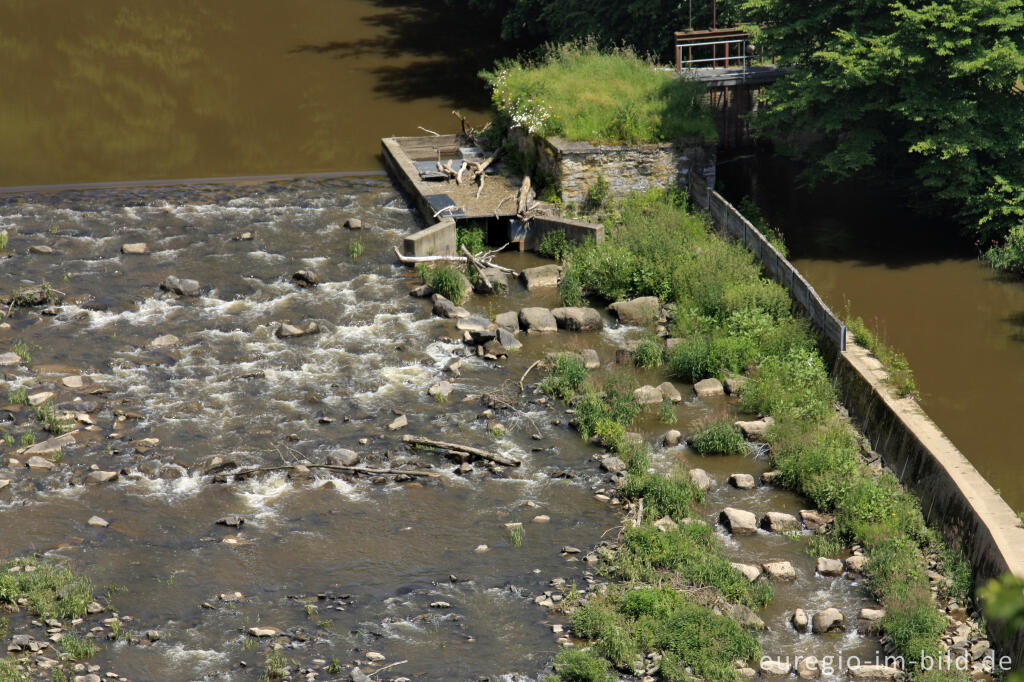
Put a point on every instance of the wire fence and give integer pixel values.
(732, 222)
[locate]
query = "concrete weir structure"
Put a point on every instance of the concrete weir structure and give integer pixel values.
(954, 495)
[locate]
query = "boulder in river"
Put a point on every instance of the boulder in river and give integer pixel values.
(869, 621)
(288, 331)
(442, 390)
(41, 249)
(537, 320)
(733, 385)
(590, 358)
(40, 464)
(507, 339)
(648, 395)
(756, 429)
(354, 224)
(749, 571)
(98, 522)
(779, 570)
(672, 438)
(475, 323)
(612, 464)
(807, 668)
(742, 481)
(701, 479)
(874, 672)
(97, 477)
(445, 308)
(578, 319)
(828, 620)
(399, 422)
(135, 248)
(832, 568)
(544, 276)
(815, 520)
(779, 522)
(856, 563)
(775, 669)
(643, 310)
(9, 359)
(342, 457)
(738, 521)
(707, 388)
(491, 281)
(164, 341)
(670, 392)
(306, 278)
(182, 287)
(800, 620)
(508, 320)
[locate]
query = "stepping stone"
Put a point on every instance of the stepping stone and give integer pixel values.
(779, 522)
(707, 388)
(543, 277)
(701, 479)
(738, 521)
(537, 321)
(780, 570)
(671, 392)
(828, 620)
(755, 430)
(742, 481)
(832, 568)
(749, 571)
(643, 310)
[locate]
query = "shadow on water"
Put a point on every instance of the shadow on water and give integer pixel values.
(448, 49)
(817, 221)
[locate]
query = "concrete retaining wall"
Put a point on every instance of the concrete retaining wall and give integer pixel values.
(575, 231)
(954, 496)
(436, 240)
(576, 167)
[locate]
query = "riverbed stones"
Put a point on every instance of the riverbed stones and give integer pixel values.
(212, 465)
(474, 323)
(9, 359)
(4, 482)
(541, 277)
(41, 249)
(399, 422)
(264, 631)
(757, 429)
(671, 392)
(306, 278)
(800, 620)
(745, 616)
(612, 464)
(643, 310)
(733, 385)
(537, 321)
(708, 388)
(738, 521)
(742, 481)
(508, 320)
(342, 457)
(779, 570)
(49, 447)
(701, 479)
(39, 464)
(98, 522)
(590, 358)
(288, 331)
(491, 281)
(578, 319)
(135, 248)
(442, 390)
(648, 395)
(672, 438)
(37, 399)
(73, 381)
(828, 620)
(832, 568)
(779, 522)
(749, 571)
(775, 669)
(665, 524)
(442, 307)
(869, 621)
(807, 668)
(164, 341)
(181, 287)
(874, 672)
(856, 563)
(815, 520)
(97, 477)
(354, 224)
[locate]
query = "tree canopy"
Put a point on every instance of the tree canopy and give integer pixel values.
(917, 89)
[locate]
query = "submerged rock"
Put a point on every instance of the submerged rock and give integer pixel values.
(306, 278)
(182, 287)
(288, 331)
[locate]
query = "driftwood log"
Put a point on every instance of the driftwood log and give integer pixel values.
(457, 449)
(483, 258)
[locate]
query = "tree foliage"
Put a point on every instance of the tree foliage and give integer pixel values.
(910, 88)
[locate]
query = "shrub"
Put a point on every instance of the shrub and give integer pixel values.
(663, 496)
(619, 398)
(580, 665)
(650, 353)
(720, 437)
(796, 385)
(447, 281)
(901, 376)
(625, 100)
(566, 376)
(554, 245)
(472, 237)
(590, 412)
(1009, 256)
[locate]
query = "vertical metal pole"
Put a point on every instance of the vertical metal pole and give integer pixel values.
(691, 19)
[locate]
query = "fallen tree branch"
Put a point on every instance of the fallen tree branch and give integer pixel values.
(523, 378)
(429, 131)
(465, 449)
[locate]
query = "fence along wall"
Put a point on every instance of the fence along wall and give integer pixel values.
(732, 222)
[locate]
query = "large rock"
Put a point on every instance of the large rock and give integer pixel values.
(757, 429)
(507, 339)
(306, 278)
(49, 447)
(807, 668)
(164, 341)
(441, 390)
(856, 563)
(578, 319)
(342, 457)
(590, 358)
(733, 385)
(707, 388)
(775, 669)
(738, 521)
(474, 323)
(491, 281)
(9, 359)
(800, 620)
(40, 464)
(742, 481)
(648, 395)
(832, 568)
(815, 520)
(749, 571)
(779, 570)
(745, 616)
(672, 438)
(443, 307)
(399, 422)
(537, 320)
(182, 287)
(828, 620)
(643, 310)
(288, 331)
(779, 522)
(545, 276)
(670, 392)
(97, 477)
(874, 672)
(508, 320)
(612, 464)
(701, 479)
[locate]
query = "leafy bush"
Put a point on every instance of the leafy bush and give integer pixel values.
(795, 385)
(447, 281)
(1008, 256)
(566, 376)
(554, 245)
(620, 399)
(720, 437)
(580, 665)
(625, 101)
(650, 353)
(472, 237)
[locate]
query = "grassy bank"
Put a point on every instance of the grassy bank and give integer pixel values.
(579, 92)
(731, 321)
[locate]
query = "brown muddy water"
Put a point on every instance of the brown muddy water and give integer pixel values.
(959, 323)
(114, 90)
(371, 557)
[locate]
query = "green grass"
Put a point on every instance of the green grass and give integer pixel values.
(79, 648)
(275, 667)
(447, 281)
(10, 671)
(625, 100)
(52, 590)
(3, 240)
(27, 438)
(719, 437)
(18, 397)
(472, 237)
(20, 348)
(580, 665)
(515, 535)
(566, 377)
(52, 420)
(650, 354)
(355, 249)
(901, 376)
